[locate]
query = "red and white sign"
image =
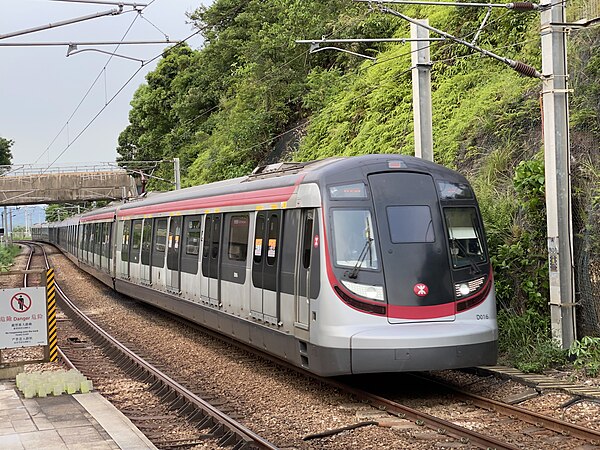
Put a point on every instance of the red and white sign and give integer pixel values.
(20, 302)
(316, 241)
(421, 289)
(23, 317)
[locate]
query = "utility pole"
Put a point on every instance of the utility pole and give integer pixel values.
(558, 182)
(176, 169)
(421, 84)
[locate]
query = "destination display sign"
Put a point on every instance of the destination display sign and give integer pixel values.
(23, 317)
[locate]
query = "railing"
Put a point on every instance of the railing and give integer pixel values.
(17, 170)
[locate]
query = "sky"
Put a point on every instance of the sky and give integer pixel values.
(40, 88)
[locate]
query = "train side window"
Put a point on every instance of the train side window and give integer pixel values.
(125, 242)
(206, 244)
(307, 241)
(272, 239)
(136, 240)
(160, 243)
(237, 249)
(191, 243)
(107, 239)
(174, 244)
(259, 232)
(99, 234)
(216, 237)
(146, 241)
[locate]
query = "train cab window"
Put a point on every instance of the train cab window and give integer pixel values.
(160, 243)
(410, 224)
(354, 239)
(238, 237)
(146, 241)
(125, 242)
(465, 236)
(136, 241)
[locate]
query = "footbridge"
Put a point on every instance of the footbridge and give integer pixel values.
(29, 185)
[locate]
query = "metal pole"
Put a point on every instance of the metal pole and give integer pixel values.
(10, 227)
(421, 83)
(5, 225)
(111, 12)
(558, 186)
(177, 173)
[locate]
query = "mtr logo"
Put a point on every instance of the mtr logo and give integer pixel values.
(421, 289)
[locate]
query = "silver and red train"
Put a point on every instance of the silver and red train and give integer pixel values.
(376, 263)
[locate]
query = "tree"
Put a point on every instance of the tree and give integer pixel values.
(5, 154)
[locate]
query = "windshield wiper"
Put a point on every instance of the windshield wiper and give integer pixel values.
(361, 258)
(474, 266)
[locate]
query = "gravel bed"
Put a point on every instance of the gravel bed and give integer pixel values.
(272, 401)
(284, 406)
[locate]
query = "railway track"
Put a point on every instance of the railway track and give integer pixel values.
(181, 403)
(463, 435)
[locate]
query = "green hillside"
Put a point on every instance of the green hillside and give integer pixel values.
(251, 95)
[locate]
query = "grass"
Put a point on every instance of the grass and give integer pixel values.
(7, 256)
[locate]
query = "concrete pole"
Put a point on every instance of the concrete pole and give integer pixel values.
(421, 82)
(558, 183)
(176, 170)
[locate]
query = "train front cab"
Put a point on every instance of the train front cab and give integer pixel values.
(407, 251)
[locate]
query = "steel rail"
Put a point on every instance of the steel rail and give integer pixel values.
(228, 431)
(531, 417)
(441, 426)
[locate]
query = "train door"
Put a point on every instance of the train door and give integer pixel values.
(174, 255)
(303, 268)
(211, 263)
(264, 296)
(146, 268)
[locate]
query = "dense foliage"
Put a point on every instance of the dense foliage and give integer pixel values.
(5, 154)
(251, 96)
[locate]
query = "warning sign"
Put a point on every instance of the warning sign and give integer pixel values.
(23, 317)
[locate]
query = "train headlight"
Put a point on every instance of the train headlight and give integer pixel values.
(365, 290)
(464, 289)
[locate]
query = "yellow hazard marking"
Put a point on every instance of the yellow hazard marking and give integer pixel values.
(51, 302)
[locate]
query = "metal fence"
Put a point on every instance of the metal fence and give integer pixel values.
(584, 58)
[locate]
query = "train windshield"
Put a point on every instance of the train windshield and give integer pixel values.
(354, 239)
(465, 236)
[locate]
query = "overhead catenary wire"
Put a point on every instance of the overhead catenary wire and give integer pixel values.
(146, 62)
(102, 71)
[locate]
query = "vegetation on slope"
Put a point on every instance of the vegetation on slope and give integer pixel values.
(251, 95)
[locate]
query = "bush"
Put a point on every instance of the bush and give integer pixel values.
(525, 341)
(7, 256)
(587, 354)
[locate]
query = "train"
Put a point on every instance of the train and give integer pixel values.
(341, 266)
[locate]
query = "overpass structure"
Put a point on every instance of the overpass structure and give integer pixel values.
(30, 185)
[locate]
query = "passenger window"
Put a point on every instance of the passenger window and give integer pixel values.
(307, 241)
(192, 243)
(146, 241)
(258, 238)
(238, 237)
(216, 238)
(136, 240)
(272, 240)
(207, 228)
(125, 243)
(160, 242)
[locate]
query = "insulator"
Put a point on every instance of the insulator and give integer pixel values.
(525, 69)
(522, 6)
